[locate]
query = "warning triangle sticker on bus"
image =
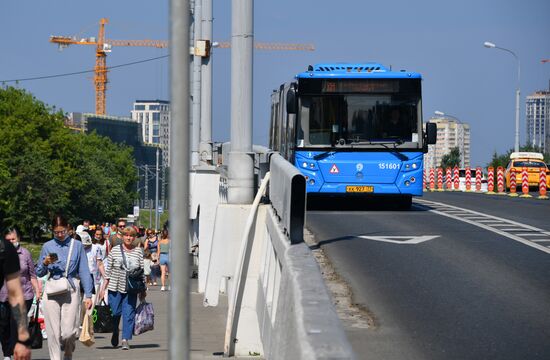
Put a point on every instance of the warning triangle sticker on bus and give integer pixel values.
(334, 169)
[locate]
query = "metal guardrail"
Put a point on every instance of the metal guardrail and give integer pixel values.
(287, 193)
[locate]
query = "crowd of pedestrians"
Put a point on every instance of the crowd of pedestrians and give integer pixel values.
(77, 269)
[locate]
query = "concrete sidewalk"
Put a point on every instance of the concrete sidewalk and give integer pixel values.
(207, 333)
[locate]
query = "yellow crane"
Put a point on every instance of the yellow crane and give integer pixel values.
(103, 46)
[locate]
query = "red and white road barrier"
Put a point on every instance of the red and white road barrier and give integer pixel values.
(468, 179)
(432, 179)
(449, 179)
(456, 179)
(491, 180)
(524, 182)
(478, 179)
(500, 180)
(513, 182)
(439, 179)
(542, 184)
(424, 184)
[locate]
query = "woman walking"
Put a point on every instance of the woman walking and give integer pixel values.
(63, 257)
(8, 327)
(151, 244)
(164, 251)
(123, 261)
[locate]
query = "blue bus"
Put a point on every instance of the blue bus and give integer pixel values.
(353, 130)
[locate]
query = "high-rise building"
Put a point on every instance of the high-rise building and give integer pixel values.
(154, 118)
(538, 120)
(450, 133)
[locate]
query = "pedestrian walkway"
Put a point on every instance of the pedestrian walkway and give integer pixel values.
(207, 333)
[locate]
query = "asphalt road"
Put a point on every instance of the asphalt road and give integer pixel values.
(476, 288)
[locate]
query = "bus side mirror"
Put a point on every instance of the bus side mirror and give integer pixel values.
(431, 133)
(291, 100)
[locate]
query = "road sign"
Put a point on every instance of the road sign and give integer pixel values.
(161, 210)
(136, 211)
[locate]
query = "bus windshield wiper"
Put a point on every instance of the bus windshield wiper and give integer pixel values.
(384, 143)
(323, 155)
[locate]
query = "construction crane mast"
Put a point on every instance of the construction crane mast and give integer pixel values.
(103, 46)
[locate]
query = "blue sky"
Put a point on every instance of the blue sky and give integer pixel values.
(443, 40)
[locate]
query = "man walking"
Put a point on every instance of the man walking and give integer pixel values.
(9, 270)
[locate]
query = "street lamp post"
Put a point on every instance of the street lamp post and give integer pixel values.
(490, 45)
(460, 137)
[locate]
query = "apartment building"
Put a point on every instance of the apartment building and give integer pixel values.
(538, 119)
(154, 118)
(450, 133)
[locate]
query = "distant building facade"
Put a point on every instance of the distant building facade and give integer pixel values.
(123, 130)
(538, 120)
(450, 133)
(154, 118)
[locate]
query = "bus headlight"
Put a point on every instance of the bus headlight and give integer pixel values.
(311, 182)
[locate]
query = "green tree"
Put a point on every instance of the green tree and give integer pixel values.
(45, 168)
(451, 159)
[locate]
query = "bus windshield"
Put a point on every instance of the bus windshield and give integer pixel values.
(358, 119)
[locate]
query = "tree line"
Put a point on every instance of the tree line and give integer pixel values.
(46, 168)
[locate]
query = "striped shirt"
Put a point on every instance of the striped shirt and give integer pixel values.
(116, 272)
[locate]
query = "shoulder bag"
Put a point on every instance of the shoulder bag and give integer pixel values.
(134, 278)
(62, 285)
(35, 332)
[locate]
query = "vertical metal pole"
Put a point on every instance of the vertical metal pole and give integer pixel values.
(206, 88)
(157, 192)
(180, 335)
(146, 195)
(137, 187)
(150, 213)
(196, 88)
(241, 161)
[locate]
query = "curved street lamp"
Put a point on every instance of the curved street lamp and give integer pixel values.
(491, 45)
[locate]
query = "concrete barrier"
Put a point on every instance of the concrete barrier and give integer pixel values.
(279, 307)
(295, 312)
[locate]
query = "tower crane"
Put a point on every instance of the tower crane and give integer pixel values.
(104, 46)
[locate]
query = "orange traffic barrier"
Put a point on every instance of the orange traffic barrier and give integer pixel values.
(468, 179)
(439, 179)
(524, 183)
(513, 182)
(456, 179)
(500, 181)
(542, 185)
(449, 179)
(491, 180)
(478, 179)
(432, 180)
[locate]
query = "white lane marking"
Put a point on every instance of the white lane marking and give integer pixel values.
(402, 240)
(480, 224)
(529, 234)
(540, 240)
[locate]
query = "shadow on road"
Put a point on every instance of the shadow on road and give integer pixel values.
(331, 203)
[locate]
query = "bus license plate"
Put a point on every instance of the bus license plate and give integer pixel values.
(359, 189)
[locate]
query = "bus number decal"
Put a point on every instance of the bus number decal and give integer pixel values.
(389, 166)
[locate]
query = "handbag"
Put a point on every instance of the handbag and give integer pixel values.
(62, 285)
(35, 332)
(134, 278)
(144, 319)
(87, 333)
(102, 318)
